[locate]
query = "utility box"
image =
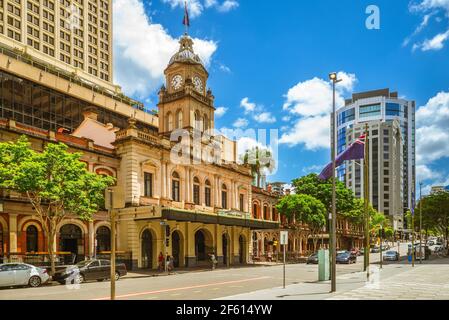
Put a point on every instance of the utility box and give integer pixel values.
(323, 265)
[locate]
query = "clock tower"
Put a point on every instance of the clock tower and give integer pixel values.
(184, 102)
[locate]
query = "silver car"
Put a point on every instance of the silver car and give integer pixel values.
(22, 274)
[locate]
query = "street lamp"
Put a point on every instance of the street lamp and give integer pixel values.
(333, 77)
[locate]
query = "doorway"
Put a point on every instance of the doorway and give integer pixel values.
(225, 247)
(71, 240)
(241, 250)
(200, 246)
(147, 250)
(176, 249)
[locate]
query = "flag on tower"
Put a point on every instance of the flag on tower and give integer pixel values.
(186, 20)
(356, 151)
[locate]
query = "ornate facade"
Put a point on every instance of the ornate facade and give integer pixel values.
(205, 204)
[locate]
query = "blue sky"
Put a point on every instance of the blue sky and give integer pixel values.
(269, 61)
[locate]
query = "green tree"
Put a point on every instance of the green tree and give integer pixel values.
(55, 181)
(259, 159)
(322, 190)
(306, 209)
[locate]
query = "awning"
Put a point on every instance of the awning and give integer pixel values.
(187, 216)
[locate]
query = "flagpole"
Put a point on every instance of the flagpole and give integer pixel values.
(366, 200)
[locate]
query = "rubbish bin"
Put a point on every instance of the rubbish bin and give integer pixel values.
(323, 265)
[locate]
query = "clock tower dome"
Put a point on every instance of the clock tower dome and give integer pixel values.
(184, 102)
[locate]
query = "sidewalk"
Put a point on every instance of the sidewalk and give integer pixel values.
(394, 282)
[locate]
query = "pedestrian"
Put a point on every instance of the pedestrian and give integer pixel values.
(171, 266)
(160, 260)
(270, 256)
(213, 260)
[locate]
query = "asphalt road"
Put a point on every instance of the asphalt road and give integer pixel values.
(187, 286)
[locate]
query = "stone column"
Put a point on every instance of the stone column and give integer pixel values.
(188, 186)
(13, 233)
(91, 239)
(164, 180)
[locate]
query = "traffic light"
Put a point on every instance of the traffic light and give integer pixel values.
(167, 242)
(167, 230)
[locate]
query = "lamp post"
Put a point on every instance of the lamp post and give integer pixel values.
(333, 217)
(112, 215)
(381, 239)
(420, 225)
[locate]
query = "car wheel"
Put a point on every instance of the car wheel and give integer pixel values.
(117, 276)
(79, 279)
(34, 282)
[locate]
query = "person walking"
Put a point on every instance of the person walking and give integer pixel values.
(171, 266)
(160, 260)
(213, 260)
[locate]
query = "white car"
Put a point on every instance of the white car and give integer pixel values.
(22, 274)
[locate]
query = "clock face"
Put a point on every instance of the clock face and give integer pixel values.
(176, 82)
(198, 83)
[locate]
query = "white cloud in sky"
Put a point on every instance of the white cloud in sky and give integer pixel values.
(248, 106)
(265, 117)
(311, 102)
(196, 7)
(429, 8)
(143, 49)
(220, 112)
(436, 43)
(432, 121)
(241, 123)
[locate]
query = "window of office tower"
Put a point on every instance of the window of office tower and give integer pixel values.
(369, 111)
(395, 109)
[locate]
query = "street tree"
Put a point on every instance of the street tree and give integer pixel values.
(306, 209)
(56, 183)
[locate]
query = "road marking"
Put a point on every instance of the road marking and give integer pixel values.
(183, 288)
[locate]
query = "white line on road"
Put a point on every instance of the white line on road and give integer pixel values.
(182, 288)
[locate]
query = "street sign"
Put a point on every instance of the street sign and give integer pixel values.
(284, 237)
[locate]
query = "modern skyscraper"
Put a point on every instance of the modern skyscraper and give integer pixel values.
(73, 35)
(381, 109)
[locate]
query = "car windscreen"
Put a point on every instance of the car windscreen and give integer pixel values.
(391, 252)
(82, 263)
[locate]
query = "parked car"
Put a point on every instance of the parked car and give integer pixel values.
(313, 259)
(22, 274)
(346, 257)
(362, 251)
(89, 270)
(391, 256)
(375, 249)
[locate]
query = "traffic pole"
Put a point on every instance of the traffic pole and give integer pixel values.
(284, 266)
(381, 257)
(366, 200)
(112, 215)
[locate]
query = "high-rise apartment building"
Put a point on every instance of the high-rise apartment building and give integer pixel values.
(385, 168)
(72, 35)
(377, 107)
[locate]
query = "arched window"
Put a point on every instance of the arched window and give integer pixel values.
(274, 215)
(103, 239)
(197, 119)
(196, 191)
(175, 190)
(255, 211)
(179, 120)
(169, 121)
(266, 213)
(224, 197)
(207, 194)
(32, 239)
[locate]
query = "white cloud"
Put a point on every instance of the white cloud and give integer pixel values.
(311, 101)
(196, 7)
(313, 132)
(430, 8)
(432, 136)
(142, 49)
(220, 112)
(248, 106)
(241, 123)
(423, 172)
(265, 117)
(224, 68)
(436, 43)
